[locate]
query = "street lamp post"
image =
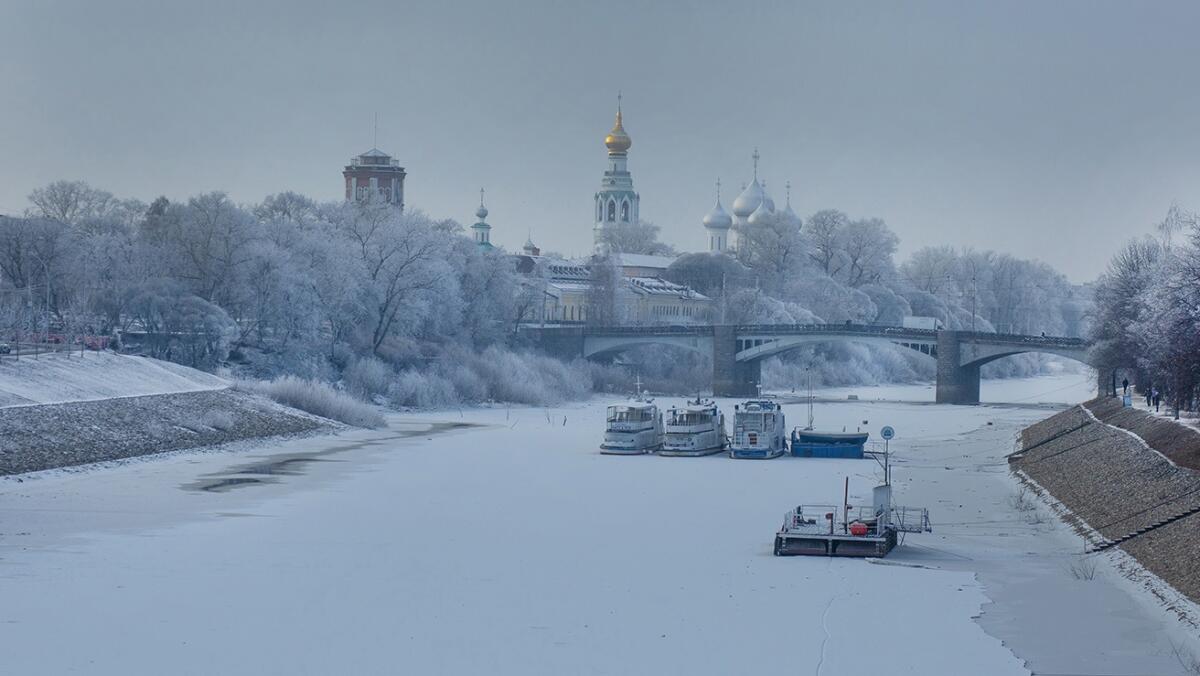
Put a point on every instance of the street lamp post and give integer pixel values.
(974, 300)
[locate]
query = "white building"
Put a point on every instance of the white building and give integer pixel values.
(652, 300)
(557, 291)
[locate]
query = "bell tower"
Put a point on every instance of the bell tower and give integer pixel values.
(616, 202)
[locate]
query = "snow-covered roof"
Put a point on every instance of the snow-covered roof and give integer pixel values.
(655, 286)
(567, 270)
(644, 261)
(560, 285)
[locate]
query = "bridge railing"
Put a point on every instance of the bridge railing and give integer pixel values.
(885, 330)
(867, 329)
(1021, 339)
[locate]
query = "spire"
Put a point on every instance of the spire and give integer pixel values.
(718, 190)
(755, 157)
(481, 229)
(788, 188)
(482, 212)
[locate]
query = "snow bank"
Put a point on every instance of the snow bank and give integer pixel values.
(34, 438)
(57, 378)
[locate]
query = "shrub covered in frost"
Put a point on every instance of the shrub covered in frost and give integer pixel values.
(317, 398)
(368, 378)
(422, 390)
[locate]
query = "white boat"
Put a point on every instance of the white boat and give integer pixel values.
(696, 428)
(633, 428)
(758, 430)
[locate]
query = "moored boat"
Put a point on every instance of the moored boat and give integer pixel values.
(809, 443)
(633, 428)
(694, 429)
(758, 430)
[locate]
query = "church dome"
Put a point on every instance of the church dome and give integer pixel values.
(766, 199)
(481, 213)
(718, 218)
(617, 140)
(748, 201)
(790, 216)
(760, 215)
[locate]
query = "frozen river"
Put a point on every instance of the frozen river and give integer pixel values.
(498, 541)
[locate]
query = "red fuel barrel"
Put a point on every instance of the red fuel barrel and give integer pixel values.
(858, 528)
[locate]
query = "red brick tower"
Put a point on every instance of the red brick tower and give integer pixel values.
(375, 175)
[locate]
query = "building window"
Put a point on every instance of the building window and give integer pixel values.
(612, 210)
(625, 211)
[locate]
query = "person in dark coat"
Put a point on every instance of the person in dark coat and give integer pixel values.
(1157, 399)
(1125, 385)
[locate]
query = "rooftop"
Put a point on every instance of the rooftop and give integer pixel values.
(655, 286)
(644, 261)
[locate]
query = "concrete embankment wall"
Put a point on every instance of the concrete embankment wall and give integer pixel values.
(1119, 471)
(61, 435)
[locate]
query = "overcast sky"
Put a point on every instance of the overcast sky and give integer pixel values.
(1047, 130)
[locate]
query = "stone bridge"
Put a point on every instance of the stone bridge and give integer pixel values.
(737, 351)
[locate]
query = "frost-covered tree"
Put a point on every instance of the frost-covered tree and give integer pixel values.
(1119, 296)
(868, 246)
(773, 248)
(712, 274)
(602, 294)
(823, 233)
(405, 260)
(70, 201)
(640, 237)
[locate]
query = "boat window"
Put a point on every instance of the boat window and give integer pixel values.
(626, 414)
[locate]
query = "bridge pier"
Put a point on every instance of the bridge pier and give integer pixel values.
(730, 377)
(565, 343)
(955, 384)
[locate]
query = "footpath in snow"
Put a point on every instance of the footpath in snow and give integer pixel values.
(499, 541)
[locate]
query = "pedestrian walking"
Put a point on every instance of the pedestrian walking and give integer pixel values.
(1157, 399)
(1125, 385)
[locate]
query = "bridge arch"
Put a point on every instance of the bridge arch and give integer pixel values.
(752, 349)
(972, 355)
(600, 346)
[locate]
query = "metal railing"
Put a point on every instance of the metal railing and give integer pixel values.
(885, 330)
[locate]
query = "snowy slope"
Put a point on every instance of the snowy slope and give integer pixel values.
(56, 378)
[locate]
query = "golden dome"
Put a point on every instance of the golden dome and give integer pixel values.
(617, 140)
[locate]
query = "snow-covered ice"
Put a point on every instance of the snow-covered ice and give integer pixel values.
(513, 547)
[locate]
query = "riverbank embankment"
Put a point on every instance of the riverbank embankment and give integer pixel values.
(1126, 475)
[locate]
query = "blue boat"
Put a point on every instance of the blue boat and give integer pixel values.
(807, 443)
(759, 432)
